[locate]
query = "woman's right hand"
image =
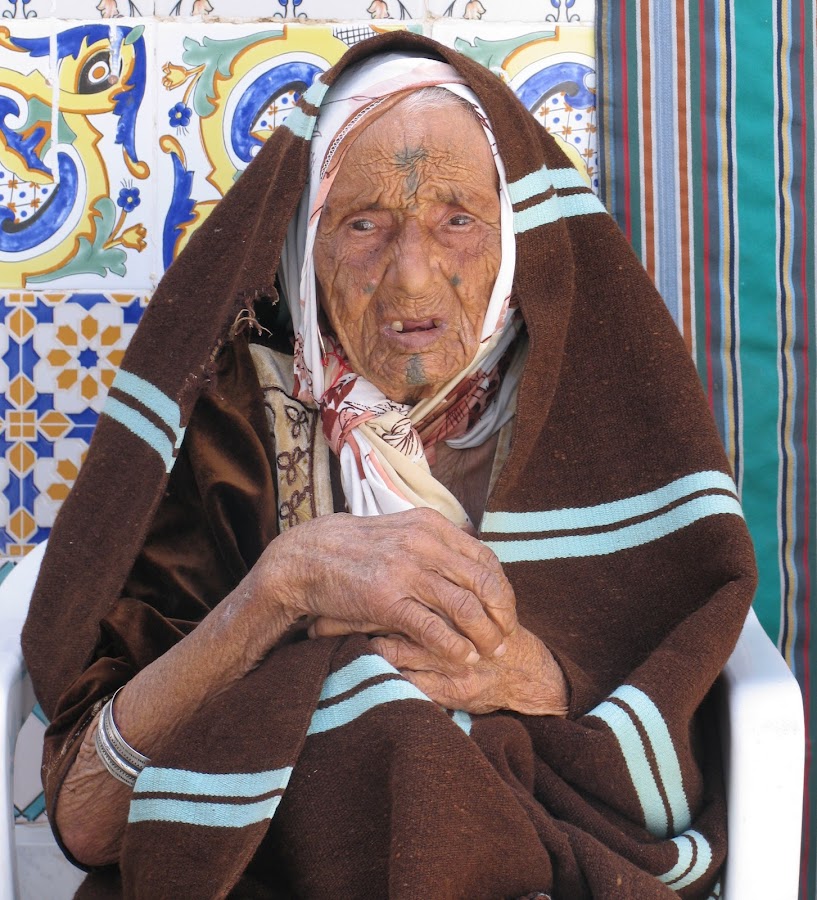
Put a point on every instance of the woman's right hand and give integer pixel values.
(410, 573)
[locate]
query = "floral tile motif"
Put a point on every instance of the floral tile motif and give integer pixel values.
(26, 184)
(337, 10)
(102, 9)
(27, 9)
(61, 352)
(26, 94)
(193, 8)
(552, 71)
(73, 224)
(224, 89)
(557, 12)
(386, 10)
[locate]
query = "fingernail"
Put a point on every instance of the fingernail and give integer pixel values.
(472, 659)
(500, 650)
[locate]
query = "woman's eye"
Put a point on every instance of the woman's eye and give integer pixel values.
(460, 219)
(362, 225)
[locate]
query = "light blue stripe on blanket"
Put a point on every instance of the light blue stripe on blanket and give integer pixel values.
(543, 180)
(600, 544)
(675, 878)
(143, 428)
(638, 765)
(348, 710)
(663, 748)
(353, 674)
(157, 780)
(555, 208)
(153, 399)
(461, 718)
(686, 849)
(195, 812)
(574, 518)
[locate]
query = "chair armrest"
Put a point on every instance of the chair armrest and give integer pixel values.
(763, 743)
(16, 699)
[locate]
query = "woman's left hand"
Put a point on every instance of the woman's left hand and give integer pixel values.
(526, 678)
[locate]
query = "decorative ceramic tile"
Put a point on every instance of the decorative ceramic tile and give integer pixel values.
(71, 197)
(551, 70)
(385, 10)
(561, 12)
(337, 10)
(224, 89)
(62, 352)
(29, 803)
(27, 184)
(102, 9)
(193, 7)
(27, 9)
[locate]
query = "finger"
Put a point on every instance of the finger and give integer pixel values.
(497, 593)
(463, 610)
(467, 562)
(423, 626)
(483, 577)
(326, 627)
(434, 685)
(403, 654)
(453, 693)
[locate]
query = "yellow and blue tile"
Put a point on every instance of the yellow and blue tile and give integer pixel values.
(73, 169)
(551, 69)
(225, 88)
(61, 351)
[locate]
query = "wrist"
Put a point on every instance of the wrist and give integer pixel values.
(250, 622)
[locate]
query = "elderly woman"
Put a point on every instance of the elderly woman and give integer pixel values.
(319, 626)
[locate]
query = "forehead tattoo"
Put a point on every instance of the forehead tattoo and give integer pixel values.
(408, 161)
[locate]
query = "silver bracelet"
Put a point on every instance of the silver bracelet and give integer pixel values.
(117, 755)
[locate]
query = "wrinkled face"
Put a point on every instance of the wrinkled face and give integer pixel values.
(408, 249)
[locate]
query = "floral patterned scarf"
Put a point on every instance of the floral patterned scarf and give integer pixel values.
(385, 448)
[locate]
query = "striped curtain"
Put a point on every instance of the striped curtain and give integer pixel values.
(707, 117)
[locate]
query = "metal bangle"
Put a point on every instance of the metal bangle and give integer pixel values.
(118, 757)
(122, 747)
(110, 763)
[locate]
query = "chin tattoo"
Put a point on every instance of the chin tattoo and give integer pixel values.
(415, 374)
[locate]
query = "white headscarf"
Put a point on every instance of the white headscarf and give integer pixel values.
(383, 464)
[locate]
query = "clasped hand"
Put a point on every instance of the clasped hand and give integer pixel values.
(436, 601)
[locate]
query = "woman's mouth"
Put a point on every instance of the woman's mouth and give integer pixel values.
(415, 334)
(407, 326)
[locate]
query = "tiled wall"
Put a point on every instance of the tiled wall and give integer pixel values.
(119, 133)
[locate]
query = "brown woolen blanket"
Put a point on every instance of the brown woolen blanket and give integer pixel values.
(324, 773)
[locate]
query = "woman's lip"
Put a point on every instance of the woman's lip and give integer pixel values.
(405, 325)
(416, 334)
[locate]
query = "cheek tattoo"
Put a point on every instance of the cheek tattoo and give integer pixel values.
(455, 280)
(414, 371)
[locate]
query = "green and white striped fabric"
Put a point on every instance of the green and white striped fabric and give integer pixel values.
(707, 145)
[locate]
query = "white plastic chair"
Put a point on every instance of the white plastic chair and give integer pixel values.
(761, 717)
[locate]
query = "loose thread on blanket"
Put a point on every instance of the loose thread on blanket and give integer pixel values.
(246, 319)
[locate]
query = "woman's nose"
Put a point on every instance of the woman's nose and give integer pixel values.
(412, 269)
